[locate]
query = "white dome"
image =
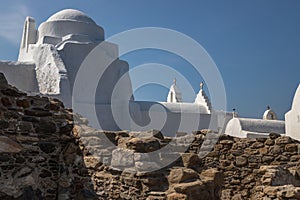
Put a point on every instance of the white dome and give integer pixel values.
(71, 15)
(69, 22)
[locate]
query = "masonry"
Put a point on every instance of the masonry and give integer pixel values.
(48, 152)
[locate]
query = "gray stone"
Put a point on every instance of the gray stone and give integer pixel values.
(122, 158)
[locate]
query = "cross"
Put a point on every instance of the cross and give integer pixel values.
(201, 85)
(174, 81)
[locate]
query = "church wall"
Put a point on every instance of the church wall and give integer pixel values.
(21, 75)
(245, 127)
(49, 68)
(63, 28)
(292, 117)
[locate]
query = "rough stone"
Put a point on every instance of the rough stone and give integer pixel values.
(122, 158)
(179, 175)
(241, 161)
(9, 146)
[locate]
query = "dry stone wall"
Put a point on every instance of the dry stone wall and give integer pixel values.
(47, 152)
(39, 157)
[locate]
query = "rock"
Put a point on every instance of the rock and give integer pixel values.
(38, 113)
(45, 173)
(241, 161)
(269, 142)
(24, 126)
(4, 124)
(274, 135)
(264, 150)
(25, 171)
(143, 145)
(6, 102)
(289, 192)
(151, 133)
(291, 148)
(189, 187)
(191, 160)
(12, 92)
(257, 145)
(282, 140)
(214, 175)
(3, 81)
(275, 149)
(177, 196)
(91, 162)
(146, 166)
(271, 191)
(45, 126)
(24, 103)
(9, 146)
(122, 158)
(47, 147)
(179, 175)
(237, 197)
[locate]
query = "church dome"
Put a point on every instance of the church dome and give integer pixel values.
(269, 114)
(71, 15)
(69, 23)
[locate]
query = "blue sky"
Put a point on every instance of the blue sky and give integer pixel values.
(255, 44)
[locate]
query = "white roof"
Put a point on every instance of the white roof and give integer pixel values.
(71, 15)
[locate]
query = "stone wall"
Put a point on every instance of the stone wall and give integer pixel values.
(39, 156)
(263, 168)
(47, 152)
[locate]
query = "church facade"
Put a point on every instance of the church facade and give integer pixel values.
(51, 55)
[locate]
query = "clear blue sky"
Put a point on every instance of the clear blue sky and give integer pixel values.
(255, 43)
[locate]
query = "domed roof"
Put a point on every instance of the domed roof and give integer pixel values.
(71, 15)
(269, 114)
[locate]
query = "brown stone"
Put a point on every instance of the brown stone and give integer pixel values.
(283, 140)
(6, 102)
(12, 92)
(257, 145)
(177, 196)
(214, 175)
(191, 160)
(267, 159)
(189, 187)
(143, 145)
(264, 150)
(291, 148)
(274, 135)
(271, 191)
(276, 149)
(9, 146)
(237, 197)
(179, 175)
(23, 103)
(241, 161)
(38, 113)
(122, 158)
(269, 142)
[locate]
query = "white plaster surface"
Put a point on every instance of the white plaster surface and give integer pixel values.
(292, 118)
(202, 99)
(21, 75)
(174, 95)
(246, 127)
(269, 114)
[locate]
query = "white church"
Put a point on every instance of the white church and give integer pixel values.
(50, 57)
